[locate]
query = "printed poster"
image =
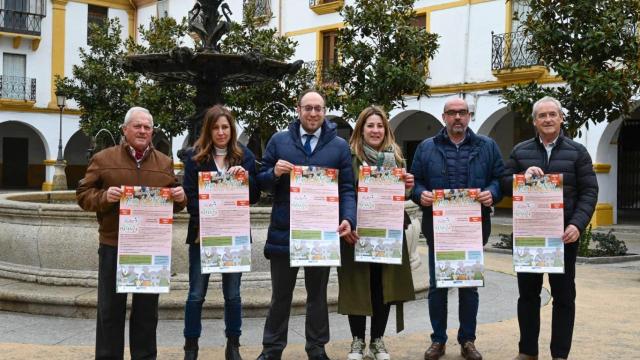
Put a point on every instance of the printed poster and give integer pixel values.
(144, 240)
(314, 217)
(225, 228)
(457, 230)
(538, 224)
(380, 215)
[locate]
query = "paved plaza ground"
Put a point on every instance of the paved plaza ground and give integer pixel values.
(607, 324)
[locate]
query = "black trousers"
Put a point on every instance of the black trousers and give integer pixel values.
(112, 309)
(283, 281)
(380, 314)
(563, 291)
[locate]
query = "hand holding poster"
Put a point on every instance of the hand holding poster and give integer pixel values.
(144, 240)
(314, 217)
(457, 232)
(380, 215)
(224, 222)
(538, 224)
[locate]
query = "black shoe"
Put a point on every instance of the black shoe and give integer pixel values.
(190, 348)
(232, 350)
(321, 356)
(264, 356)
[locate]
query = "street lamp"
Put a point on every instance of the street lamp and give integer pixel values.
(62, 100)
(59, 181)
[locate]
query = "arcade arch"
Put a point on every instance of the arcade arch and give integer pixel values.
(75, 154)
(410, 128)
(23, 151)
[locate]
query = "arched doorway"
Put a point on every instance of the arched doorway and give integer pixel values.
(507, 129)
(628, 184)
(344, 128)
(161, 142)
(22, 152)
(410, 128)
(75, 154)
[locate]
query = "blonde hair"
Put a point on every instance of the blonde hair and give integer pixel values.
(357, 139)
(204, 146)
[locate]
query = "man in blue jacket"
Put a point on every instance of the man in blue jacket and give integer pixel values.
(456, 158)
(310, 140)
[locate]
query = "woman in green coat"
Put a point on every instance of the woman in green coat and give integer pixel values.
(369, 289)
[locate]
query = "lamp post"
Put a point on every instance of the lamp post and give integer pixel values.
(59, 181)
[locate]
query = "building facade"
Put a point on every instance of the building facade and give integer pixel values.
(482, 50)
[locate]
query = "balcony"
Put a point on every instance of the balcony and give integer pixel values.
(22, 17)
(17, 90)
(322, 7)
(321, 69)
(512, 60)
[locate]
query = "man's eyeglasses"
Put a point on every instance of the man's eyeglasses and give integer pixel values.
(309, 108)
(459, 112)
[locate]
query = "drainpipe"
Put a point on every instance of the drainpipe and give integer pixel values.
(280, 17)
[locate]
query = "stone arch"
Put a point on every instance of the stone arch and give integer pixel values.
(410, 128)
(344, 127)
(507, 129)
(75, 154)
(23, 150)
(161, 142)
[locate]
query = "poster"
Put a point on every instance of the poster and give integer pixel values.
(457, 230)
(314, 217)
(380, 215)
(538, 224)
(225, 228)
(144, 240)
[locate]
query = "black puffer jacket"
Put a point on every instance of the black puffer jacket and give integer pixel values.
(568, 158)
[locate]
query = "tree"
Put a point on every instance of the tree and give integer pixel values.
(383, 56)
(104, 91)
(268, 106)
(593, 45)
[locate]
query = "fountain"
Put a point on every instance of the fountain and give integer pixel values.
(48, 241)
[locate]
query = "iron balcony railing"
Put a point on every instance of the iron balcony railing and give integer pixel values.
(322, 70)
(22, 16)
(511, 50)
(17, 88)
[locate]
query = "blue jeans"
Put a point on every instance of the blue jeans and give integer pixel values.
(467, 312)
(198, 284)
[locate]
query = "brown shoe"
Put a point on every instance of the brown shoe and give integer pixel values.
(522, 356)
(469, 352)
(435, 351)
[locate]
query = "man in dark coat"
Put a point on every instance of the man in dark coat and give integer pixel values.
(456, 158)
(309, 141)
(552, 152)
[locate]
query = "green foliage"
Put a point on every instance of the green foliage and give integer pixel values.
(506, 242)
(584, 242)
(608, 245)
(100, 86)
(266, 107)
(383, 56)
(594, 46)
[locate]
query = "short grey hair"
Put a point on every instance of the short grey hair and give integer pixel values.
(127, 117)
(545, 99)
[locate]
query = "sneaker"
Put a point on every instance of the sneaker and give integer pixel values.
(357, 349)
(377, 350)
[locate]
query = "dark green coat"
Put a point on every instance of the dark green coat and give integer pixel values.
(354, 297)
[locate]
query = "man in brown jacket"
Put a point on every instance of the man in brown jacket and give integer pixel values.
(134, 162)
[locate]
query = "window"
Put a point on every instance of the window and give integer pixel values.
(520, 11)
(419, 21)
(329, 52)
(15, 14)
(14, 82)
(163, 8)
(97, 15)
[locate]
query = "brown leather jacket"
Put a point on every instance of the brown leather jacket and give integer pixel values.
(116, 166)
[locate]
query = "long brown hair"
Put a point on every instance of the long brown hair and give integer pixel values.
(357, 140)
(204, 146)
